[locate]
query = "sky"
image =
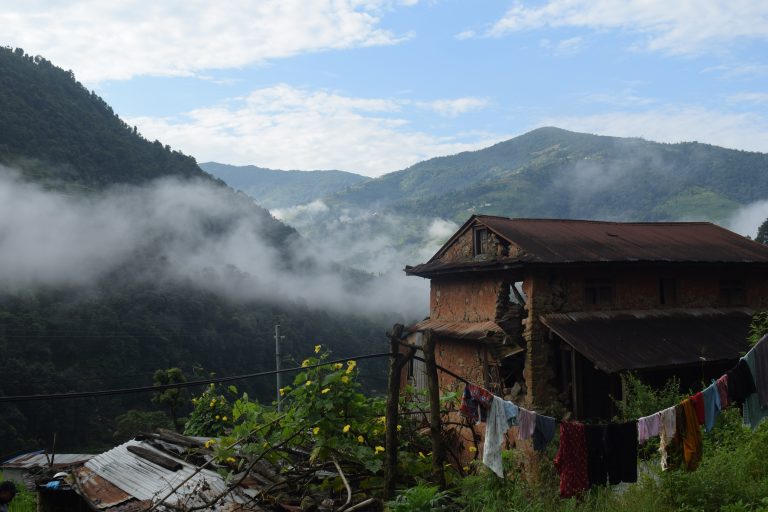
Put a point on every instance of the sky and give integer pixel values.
(373, 86)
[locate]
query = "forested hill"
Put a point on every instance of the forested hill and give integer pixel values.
(273, 188)
(58, 132)
(550, 172)
(119, 256)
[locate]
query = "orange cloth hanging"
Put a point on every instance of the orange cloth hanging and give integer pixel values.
(692, 446)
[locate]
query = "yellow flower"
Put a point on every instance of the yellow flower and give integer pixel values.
(337, 366)
(466, 469)
(305, 363)
(360, 439)
(378, 449)
(308, 383)
(325, 390)
(209, 443)
(346, 429)
(231, 460)
(351, 366)
(421, 454)
(282, 391)
(472, 449)
(218, 417)
(317, 349)
(316, 430)
(194, 401)
(381, 419)
(345, 379)
(213, 402)
(399, 428)
(225, 419)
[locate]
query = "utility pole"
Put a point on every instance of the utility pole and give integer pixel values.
(278, 365)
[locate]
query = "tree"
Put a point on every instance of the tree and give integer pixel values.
(170, 397)
(762, 233)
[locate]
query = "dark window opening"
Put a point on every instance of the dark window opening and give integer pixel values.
(598, 291)
(732, 292)
(481, 241)
(667, 291)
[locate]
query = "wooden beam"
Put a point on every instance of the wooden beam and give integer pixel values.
(433, 388)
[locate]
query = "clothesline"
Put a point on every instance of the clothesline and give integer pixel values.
(596, 454)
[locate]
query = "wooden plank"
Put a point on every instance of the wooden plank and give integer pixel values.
(155, 458)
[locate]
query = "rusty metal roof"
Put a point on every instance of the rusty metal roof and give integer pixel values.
(40, 459)
(143, 480)
(645, 339)
(459, 330)
(558, 241)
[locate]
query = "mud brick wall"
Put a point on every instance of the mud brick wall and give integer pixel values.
(465, 299)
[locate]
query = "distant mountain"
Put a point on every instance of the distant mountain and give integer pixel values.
(550, 172)
(279, 189)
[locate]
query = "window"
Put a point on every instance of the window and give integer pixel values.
(667, 291)
(598, 291)
(732, 292)
(480, 245)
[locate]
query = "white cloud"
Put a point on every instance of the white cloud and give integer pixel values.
(671, 27)
(454, 107)
(120, 39)
(570, 46)
(285, 127)
(749, 97)
(746, 131)
(746, 220)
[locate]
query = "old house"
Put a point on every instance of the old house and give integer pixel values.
(551, 312)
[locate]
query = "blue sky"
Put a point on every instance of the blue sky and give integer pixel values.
(372, 86)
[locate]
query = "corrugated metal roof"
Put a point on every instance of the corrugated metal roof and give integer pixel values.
(636, 340)
(558, 241)
(459, 330)
(39, 459)
(144, 480)
(101, 492)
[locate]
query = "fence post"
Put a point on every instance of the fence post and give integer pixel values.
(396, 363)
(433, 388)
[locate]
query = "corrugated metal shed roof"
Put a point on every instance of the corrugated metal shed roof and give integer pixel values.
(40, 459)
(459, 330)
(145, 480)
(558, 241)
(636, 340)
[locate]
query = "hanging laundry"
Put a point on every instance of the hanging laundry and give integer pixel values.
(753, 410)
(667, 430)
(475, 402)
(512, 411)
(760, 371)
(495, 428)
(544, 432)
(597, 471)
(621, 452)
(740, 382)
(722, 390)
(691, 436)
(571, 459)
(648, 427)
(698, 404)
(712, 406)
(527, 424)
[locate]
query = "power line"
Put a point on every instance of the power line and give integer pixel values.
(189, 384)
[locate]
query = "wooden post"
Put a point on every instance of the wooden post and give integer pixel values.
(396, 363)
(433, 388)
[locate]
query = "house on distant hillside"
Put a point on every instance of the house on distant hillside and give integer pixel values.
(553, 311)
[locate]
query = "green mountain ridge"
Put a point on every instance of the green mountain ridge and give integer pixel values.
(273, 188)
(550, 172)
